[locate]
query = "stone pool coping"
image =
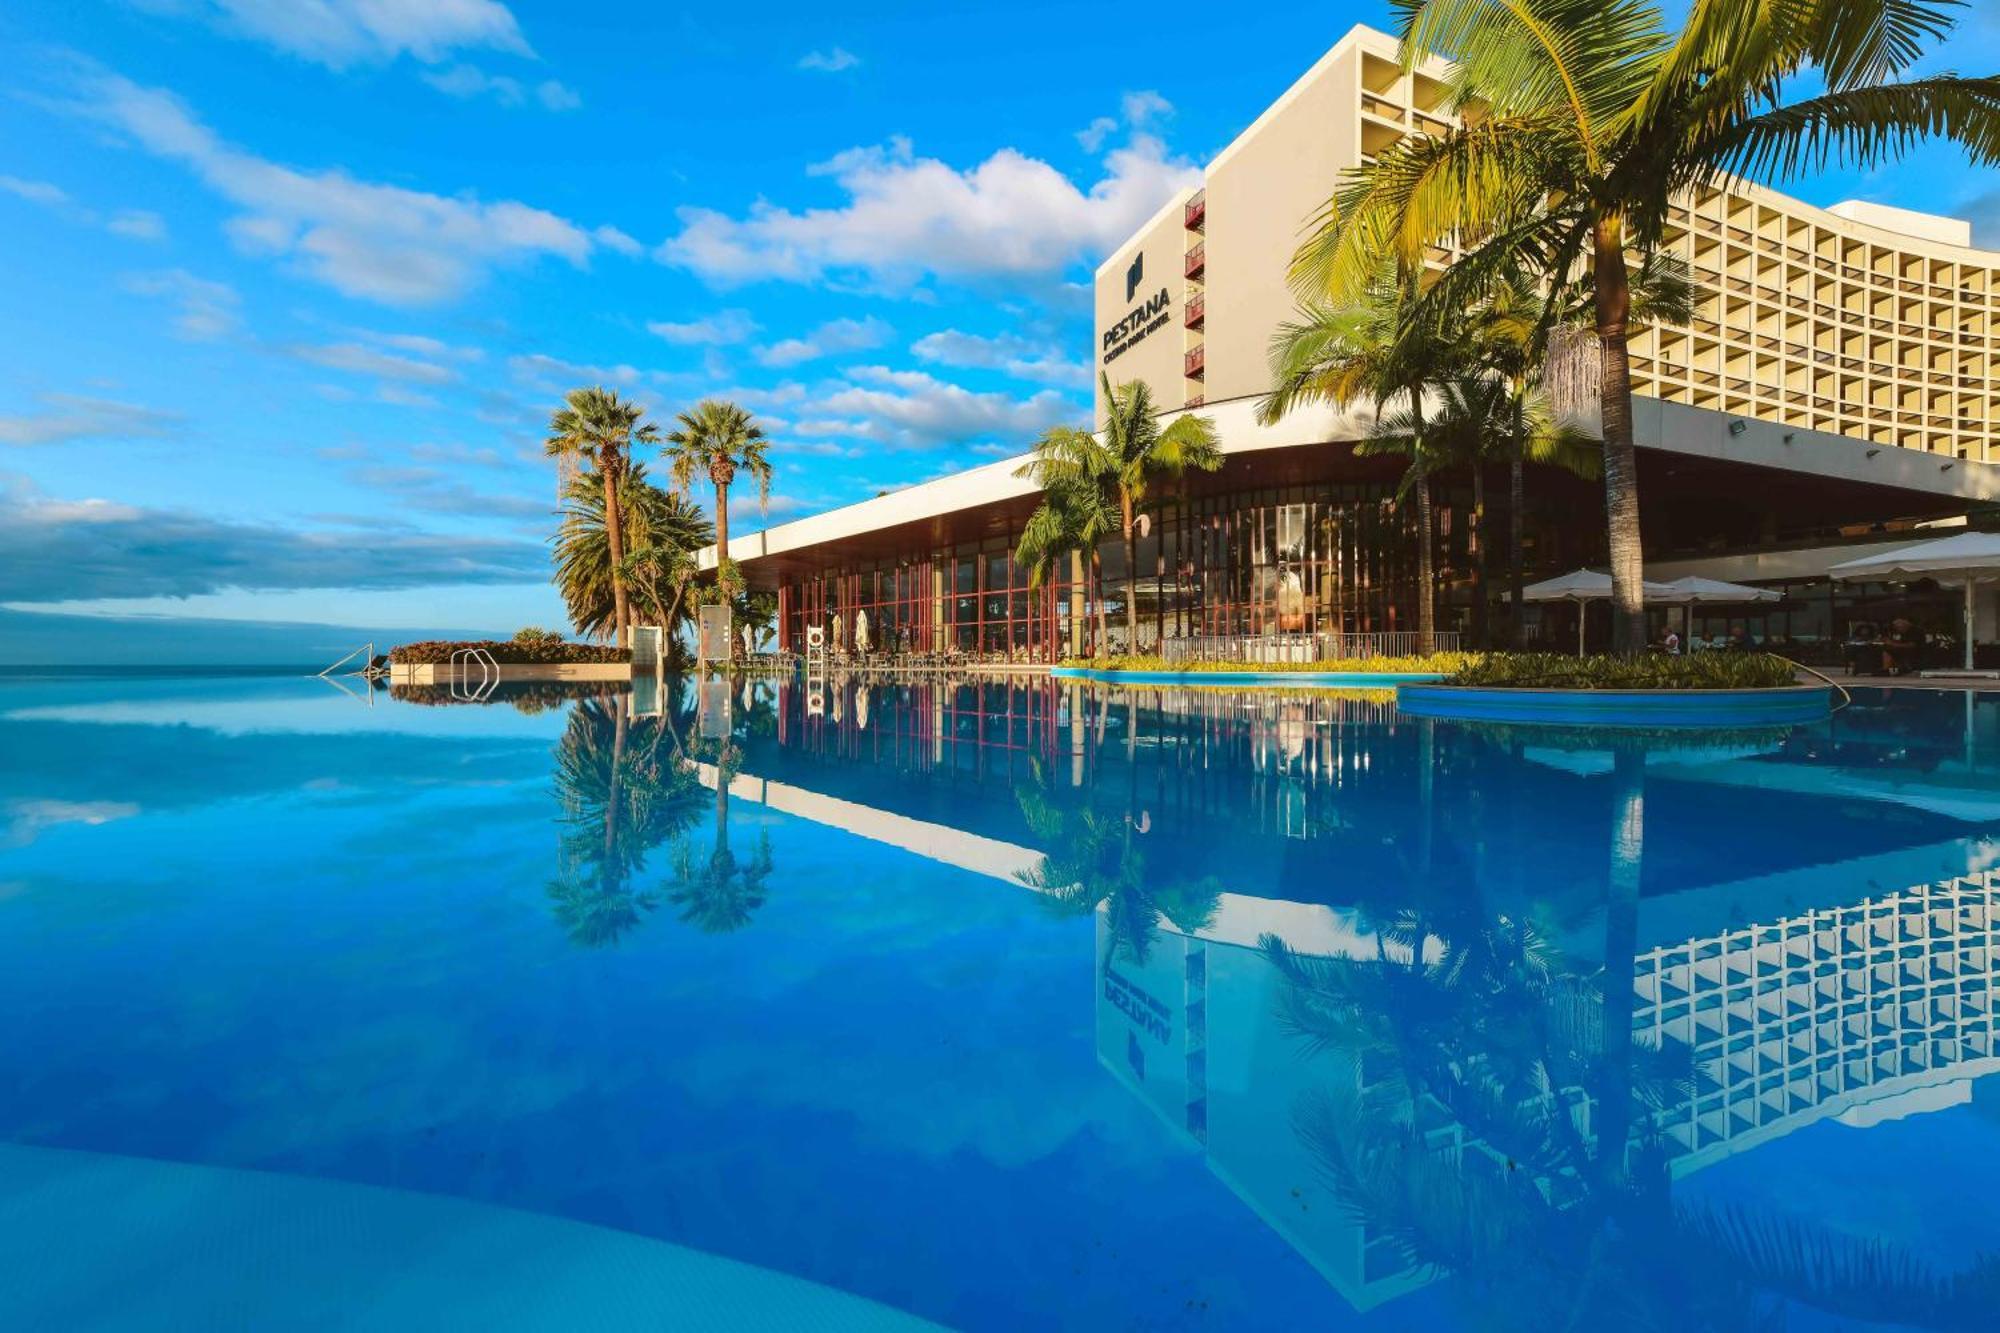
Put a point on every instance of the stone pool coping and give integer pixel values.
(1771, 706)
(1312, 680)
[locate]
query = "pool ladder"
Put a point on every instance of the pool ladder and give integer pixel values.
(462, 688)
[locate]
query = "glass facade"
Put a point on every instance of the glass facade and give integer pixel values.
(1312, 558)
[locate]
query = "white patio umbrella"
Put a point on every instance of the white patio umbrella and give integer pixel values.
(1966, 558)
(1686, 592)
(860, 631)
(1580, 586)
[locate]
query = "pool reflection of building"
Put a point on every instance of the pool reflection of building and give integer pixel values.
(1862, 1013)
(1867, 997)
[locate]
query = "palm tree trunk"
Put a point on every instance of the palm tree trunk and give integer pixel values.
(614, 536)
(1131, 572)
(1517, 499)
(1103, 644)
(1426, 561)
(722, 552)
(1621, 464)
(1479, 608)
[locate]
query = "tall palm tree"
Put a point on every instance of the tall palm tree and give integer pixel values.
(1072, 518)
(650, 518)
(1374, 350)
(1586, 119)
(717, 439)
(1131, 455)
(597, 427)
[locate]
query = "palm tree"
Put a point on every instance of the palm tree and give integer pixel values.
(1134, 454)
(717, 440)
(1071, 518)
(662, 576)
(1586, 119)
(597, 427)
(1374, 351)
(650, 518)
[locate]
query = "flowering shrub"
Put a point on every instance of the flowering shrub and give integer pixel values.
(1649, 671)
(514, 652)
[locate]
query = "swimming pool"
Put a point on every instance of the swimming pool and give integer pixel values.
(1000, 1005)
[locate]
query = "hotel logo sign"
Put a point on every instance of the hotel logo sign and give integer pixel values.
(1147, 316)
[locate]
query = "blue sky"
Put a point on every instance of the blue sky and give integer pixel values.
(290, 286)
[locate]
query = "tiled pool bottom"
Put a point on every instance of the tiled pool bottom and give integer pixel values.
(1015, 1006)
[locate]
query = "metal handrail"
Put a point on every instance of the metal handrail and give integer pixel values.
(489, 674)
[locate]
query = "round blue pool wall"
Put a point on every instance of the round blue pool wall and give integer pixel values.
(1304, 680)
(1779, 706)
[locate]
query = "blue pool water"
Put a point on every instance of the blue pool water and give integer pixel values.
(1000, 1006)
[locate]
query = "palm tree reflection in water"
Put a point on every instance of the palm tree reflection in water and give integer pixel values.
(625, 785)
(719, 893)
(1094, 862)
(1487, 1117)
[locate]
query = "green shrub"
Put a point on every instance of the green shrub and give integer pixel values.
(1652, 671)
(535, 637)
(1435, 663)
(512, 652)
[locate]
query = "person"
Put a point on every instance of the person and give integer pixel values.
(1901, 648)
(1863, 648)
(1672, 643)
(1740, 640)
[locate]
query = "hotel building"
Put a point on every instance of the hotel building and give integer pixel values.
(1838, 388)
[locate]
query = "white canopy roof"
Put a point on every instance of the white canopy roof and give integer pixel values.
(1973, 553)
(1695, 588)
(1585, 585)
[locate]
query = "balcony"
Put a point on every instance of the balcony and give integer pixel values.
(1195, 363)
(1197, 305)
(1197, 259)
(1195, 400)
(1195, 212)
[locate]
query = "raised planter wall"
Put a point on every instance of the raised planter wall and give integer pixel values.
(1779, 706)
(442, 673)
(1305, 680)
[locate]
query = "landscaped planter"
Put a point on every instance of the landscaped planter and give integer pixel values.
(1776, 706)
(1304, 680)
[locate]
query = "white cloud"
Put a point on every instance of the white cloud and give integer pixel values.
(549, 370)
(1093, 135)
(138, 224)
(418, 344)
(468, 81)
(357, 359)
(383, 242)
(830, 61)
(556, 96)
(1007, 352)
(398, 396)
(208, 309)
(721, 329)
(340, 33)
(1144, 107)
(73, 417)
(909, 409)
(35, 192)
(834, 336)
(1136, 111)
(907, 216)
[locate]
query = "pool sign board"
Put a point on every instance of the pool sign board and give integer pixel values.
(713, 635)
